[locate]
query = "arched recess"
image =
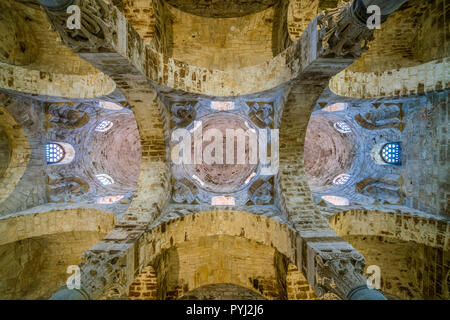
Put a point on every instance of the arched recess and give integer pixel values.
(220, 247)
(412, 253)
(32, 61)
(36, 249)
(408, 56)
(20, 154)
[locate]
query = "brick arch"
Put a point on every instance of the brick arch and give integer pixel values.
(20, 154)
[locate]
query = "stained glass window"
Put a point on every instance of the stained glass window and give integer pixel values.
(391, 153)
(104, 126)
(54, 153)
(342, 127)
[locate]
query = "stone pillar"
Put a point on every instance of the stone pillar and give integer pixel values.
(365, 293)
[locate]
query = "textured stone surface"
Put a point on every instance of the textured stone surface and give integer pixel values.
(280, 52)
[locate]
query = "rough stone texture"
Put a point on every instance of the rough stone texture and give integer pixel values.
(408, 270)
(223, 44)
(144, 286)
(403, 59)
(36, 249)
(222, 9)
(44, 260)
(148, 71)
(20, 121)
(55, 70)
(420, 182)
(222, 291)
(426, 231)
(297, 286)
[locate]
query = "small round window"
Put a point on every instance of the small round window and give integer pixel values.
(54, 153)
(342, 127)
(391, 153)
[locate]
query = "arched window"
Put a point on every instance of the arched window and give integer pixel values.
(54, 153)
(342, 127)
(341, 179)
(104, 126)
(109, 200)
(104, 179)
(337, 201)
(110, 105)
(335, 107)
(391, 153)
(57, 153)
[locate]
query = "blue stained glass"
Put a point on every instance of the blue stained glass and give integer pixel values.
(54, 153)
(391, 153)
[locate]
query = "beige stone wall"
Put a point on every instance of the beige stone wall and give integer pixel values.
(19, 155)
(297, 286)
(21, 227)
(426, 231)
(407, 57)
(300, 14)
(222, 43)
(144, 286)
(54, 69)
(408, 270)
(222, 291)
(218, 259)
(34, 268)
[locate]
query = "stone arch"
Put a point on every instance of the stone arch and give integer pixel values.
(406, 249)
(20, 227)
(415, 63)
(19, 154)
(16, 42)
(51, 70)
(36, 249)
(423, 230)
(227, 239)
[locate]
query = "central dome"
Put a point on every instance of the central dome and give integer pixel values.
(224, 178)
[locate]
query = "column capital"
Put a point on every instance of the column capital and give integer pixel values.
(342, 34)
(339, 273)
